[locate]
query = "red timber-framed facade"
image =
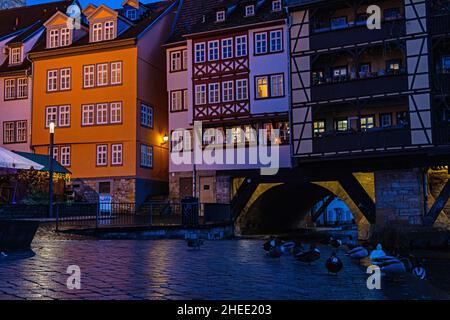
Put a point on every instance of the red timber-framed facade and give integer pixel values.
(227, 65)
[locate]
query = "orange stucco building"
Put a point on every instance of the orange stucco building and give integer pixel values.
(101, 80)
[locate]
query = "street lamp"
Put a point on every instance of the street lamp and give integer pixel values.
(50, 169)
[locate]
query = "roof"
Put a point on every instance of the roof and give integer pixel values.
(307, 3)
(192, 12)
(155, 9)
(12, 160)
(43, 160)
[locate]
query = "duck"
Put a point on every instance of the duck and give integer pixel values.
(377, 253)
(275, 252)
(380, 260)
(392, 268)
(358, 253)
(287, 247)
(298, 248)
(350, 243)
(194, 243)
(334, 264)
(309, 256)
(419, 271)
(3, 254)
(336, 243)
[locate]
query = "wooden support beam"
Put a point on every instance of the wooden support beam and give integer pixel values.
(316, 215)
(359, 196)
(438, 206)
(243, 195)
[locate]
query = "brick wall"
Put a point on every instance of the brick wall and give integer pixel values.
(399, 197)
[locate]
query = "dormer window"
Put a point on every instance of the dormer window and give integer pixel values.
(276, 5)
(103, 31)
(220, 16)
(59, 37)
(249, 10)
(131, 14)
(15, 56)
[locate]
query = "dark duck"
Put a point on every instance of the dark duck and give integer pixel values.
(194, 243)
(334, 264)
(309, 256)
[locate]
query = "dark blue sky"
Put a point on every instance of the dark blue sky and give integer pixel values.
(111, 3)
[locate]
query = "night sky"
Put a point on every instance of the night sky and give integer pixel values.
(110, 3)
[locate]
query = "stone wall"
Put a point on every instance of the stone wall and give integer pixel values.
(399, 197)
(123, 190)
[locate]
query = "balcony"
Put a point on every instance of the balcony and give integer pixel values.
(327, 38)
(371, 139)
(440, 24)
(360, 87)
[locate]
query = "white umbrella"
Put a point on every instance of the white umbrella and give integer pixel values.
(11, 160)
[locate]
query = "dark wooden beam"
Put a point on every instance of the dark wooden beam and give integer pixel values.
(316, 215)
(359, 196)
(438, 206)
(243, 195)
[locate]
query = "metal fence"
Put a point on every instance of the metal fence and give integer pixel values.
(105, 215)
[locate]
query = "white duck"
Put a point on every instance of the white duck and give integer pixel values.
(377, 253)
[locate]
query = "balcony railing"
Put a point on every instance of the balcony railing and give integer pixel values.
(371, 139)
(329, 38)
(442, 134)
(360, 87)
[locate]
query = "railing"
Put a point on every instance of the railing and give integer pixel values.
(440, 24)
(106, 215)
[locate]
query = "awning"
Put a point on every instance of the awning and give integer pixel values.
(11, 160)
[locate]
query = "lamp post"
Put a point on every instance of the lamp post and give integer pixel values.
(50, 169)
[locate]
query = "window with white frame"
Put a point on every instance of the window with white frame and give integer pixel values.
(65, 156)
(261, 43)
(177, 140)
(51, 115)
(200, 52)
(64, 116)
(53, 38)
(116, 112)
(88, 115)
(55, 153)
(102, 74)
(109, 30)
(220, 16)
(185, 59)
(176, 103)
(131, 14)
(102, 113)
(241, 46)
(227, 91)
(88, 76)
(213, 50)
(185, 99)
(8, 132)
(146, 116)
(214, 93)
(65, 37)
(22, 88)
(276, 44)
(116, 154)
(277, 85)
(21, 131)
(262, 87)
(102, 155)
(64, 79)
(10, 89)
(249, 10)
(146, 156)
(52, 80)
(97, 32)
(276, 5)
(176, 62)
(116, 72)
(15, 55)
(242, 89)
(227, 48)
(200, 94)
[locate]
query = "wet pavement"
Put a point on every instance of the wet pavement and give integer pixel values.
(167, 269)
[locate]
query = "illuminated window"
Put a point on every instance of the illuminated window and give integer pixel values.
(367, 122)
(393, 66)
(235, 135)
(250, 134)
(341, 125)
(319, 127)
(262, 85)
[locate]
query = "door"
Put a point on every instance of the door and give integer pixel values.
(207, 190)
(185, 188)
